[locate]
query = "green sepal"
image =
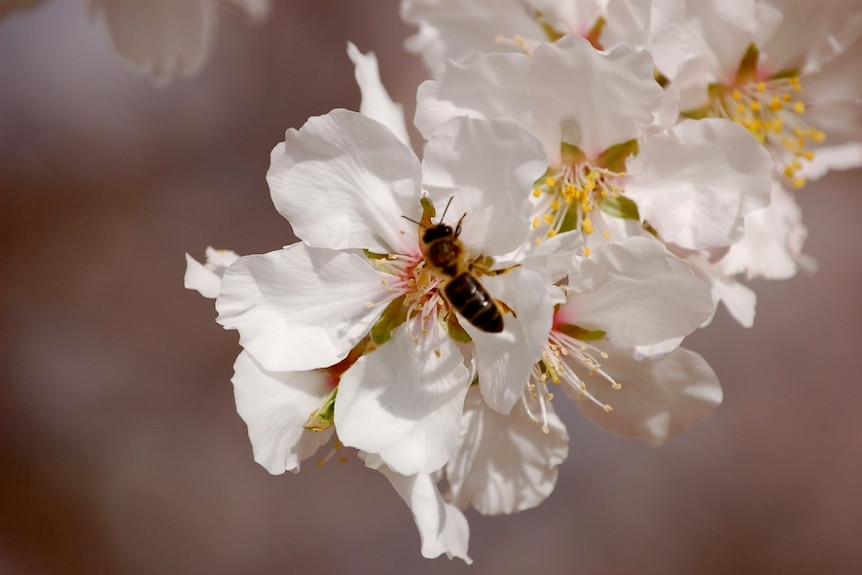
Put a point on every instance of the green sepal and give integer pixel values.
(394, 315)
(428, 212)
(697, 113)
(580, 333)
(570, 220)
(570, 154)
(650, 229)
(747, 71)
(323, 417)
(455, 331)
(620, 207)
(373, 256)
(789, 73)
(614, 158)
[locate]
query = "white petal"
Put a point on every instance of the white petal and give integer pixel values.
(714, 34)
(553, 255)
(638, 292)
(772, 245)
(376, 103)
(344, 181)
(489, 86)
(695, 183)
(659, 398)
(206, 279)
(164, 37)
(563, 91)
(457, 28)
(404, 400)
(301, 308)
(604, 98)
(739, 300)
(486, 167)
(442, 527)
(504, 360)
(275, 406)
(506, 463)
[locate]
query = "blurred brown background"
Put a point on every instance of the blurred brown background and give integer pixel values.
(120, 449)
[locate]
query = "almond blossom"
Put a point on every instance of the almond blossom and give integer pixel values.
(617, 163)
(773, 66)
(626, 295)
(452, 29)
(366, 288)
(783, 71)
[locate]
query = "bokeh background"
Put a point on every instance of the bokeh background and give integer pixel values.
(121, 451)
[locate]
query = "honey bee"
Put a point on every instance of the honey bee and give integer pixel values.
(446, 255)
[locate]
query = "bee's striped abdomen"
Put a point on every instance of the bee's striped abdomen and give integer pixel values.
(474, 303)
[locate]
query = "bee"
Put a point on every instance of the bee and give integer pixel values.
(445, 254)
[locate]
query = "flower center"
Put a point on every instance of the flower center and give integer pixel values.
(412, 292)
(562, 357)
(770, 112)
(568, 196)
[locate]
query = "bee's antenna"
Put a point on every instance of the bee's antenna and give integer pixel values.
(414, 221)
(446, 209)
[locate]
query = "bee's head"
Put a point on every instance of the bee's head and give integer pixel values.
(436, 232)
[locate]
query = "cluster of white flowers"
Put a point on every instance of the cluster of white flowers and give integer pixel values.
(596, 175)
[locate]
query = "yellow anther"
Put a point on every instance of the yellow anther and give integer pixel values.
(606, 235)
(761, 86)
(755, 106)
(775, 104)
(587, 252)
(736, 95)
(535, 222)
(537, 193)
(548, 218)
(551, 233)
(550, 181)
(519, 40)
(555, 204)
(741, 108)
(798, 183)
(587, 226)
(799, 107)
(607, 408)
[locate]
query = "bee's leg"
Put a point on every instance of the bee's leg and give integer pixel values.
(482, 266)
(504, 307)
